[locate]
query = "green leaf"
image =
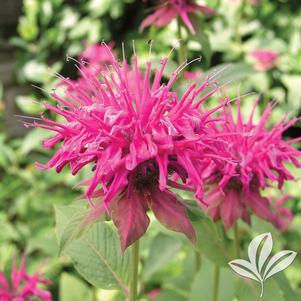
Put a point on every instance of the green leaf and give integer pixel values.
(47, 12)
(203, 283)
(97, 253)
(285, 286)
(33, 140)
(8, 231)
(98, 8)
(292, 83)
(162, 251)
(248, 290)
(26, 104)
(213, 243)
(36, 71)
(168, 295)
(226, 73)
(82, 28)
(68, 283)
(28, 28)
(202, 38)
(194, 210)
(69, 18)
(73, 228)
(97, 257)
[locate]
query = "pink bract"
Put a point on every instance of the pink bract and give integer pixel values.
(137, 134)
(265, 59)
(260, 155)
(23, 287)
(168, 10)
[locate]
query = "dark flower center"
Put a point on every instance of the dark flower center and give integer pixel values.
(146, 175)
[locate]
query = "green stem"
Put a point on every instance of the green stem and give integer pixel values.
(151, 32)
(236, 241)
(216, 278)
(197, 255)
(134, 271)
(95, 294)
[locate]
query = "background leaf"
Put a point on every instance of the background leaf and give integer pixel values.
(97, 253)
(162, 251)
(248, 290)
(212, 242)
(202, 286)
(74, 289)
(227, 73)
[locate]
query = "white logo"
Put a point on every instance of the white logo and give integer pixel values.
(259, 268)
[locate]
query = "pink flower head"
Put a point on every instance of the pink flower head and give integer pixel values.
(265, 59)
(254, 2)
(260, 155)
(23, 287)
(172, 9)
(137, 134)
(193, 75)
(97, 55)
(154, 294)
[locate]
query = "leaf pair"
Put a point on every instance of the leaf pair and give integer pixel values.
(260, 267)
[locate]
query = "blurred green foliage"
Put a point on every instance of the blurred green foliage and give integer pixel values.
(51, 30)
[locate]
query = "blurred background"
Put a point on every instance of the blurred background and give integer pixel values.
(37, 37)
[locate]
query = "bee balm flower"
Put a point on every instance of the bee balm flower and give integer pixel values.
(97, 55)
(22, 287)
(265, 59)
(260, 155)
(137, 134)
(172, 9)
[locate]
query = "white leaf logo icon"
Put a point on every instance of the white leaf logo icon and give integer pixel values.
(258, 267)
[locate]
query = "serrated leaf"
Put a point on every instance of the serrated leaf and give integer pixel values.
(279, 262)
(97, 253)
(97, 257)
(64, 213)
(73, 229)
